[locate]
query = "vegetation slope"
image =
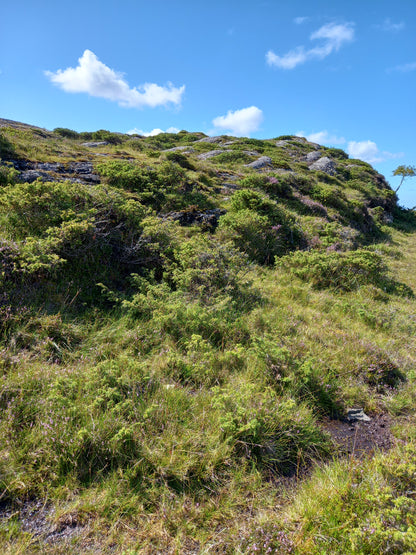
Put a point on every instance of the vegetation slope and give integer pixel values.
(180, 331)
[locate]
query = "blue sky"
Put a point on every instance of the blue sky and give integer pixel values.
(341, 73)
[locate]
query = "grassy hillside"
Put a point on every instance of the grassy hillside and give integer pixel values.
(185, 323)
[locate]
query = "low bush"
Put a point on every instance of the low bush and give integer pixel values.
(344, 271)
(66, 133)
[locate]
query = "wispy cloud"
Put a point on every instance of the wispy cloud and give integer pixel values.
(96, 79)
(391, 27)
(240, 122)
(153, 132)
(300, 20)
(322, 138)
(369, 152)
(404, 68)
(334, 36)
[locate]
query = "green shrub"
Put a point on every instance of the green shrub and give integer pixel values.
(271, 184)
(180, 159)
(276, 434)
(337, 153)
(108, 136)
(205, 266)
(253, 234)
(7, 149)
(232, 156)
(67, 133)
(343, 271)
(8, 175)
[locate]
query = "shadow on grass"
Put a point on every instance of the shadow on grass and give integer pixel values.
(7, 151)
(404, 220)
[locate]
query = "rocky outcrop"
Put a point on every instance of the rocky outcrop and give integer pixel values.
(312, 156)
(210, 154)
(206, 218)
(218, 139)
(324, 164)
(184, 149)
(261, 162)
(82, 172)
(95, 144)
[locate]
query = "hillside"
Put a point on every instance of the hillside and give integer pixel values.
(188, 324)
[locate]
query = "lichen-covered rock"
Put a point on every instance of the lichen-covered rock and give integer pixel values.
(312, 156)
(210, 154)
(217, 139)
(180, 149)
(324, 164)
(205, 218)
(261, 162)
(29, 176)
(95, 144)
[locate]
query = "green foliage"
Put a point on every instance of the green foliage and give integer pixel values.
(232, 157)
(67, 133)
(404, 172)
(343, 271)
(7, 150)
(274, 433)
(108, 136)
(337, 153)
(8, 175)
(259, 227)
(180, 159)
(206, 267)
(271, 184)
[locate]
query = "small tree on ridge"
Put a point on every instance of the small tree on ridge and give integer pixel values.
(404, 171)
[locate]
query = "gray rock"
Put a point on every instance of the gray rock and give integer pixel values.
(179, 149)
(357, 415)
(313, 156)
(95, 144)
(210, 154)
(206, 218)
(50, 167)
(261, 162)
(29, 176)
(281, 143)
(81, 167)
(218, 139)
(324, 164)
(250, 152)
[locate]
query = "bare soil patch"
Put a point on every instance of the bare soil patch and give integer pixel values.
(361, 439)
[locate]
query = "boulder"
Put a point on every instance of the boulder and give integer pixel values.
(218, 139)
(261, 162)
(95, 144)
(179, 149)
(324, 164)
(210, 154)
(312, 156)
(29, 176)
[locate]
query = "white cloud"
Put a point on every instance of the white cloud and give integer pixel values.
(389, 26)
(369, 152)
(240, 122)
(153, 132)
(334, 35)
(404, 68)
(95, 78)
(322, 137)
(300, 20)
